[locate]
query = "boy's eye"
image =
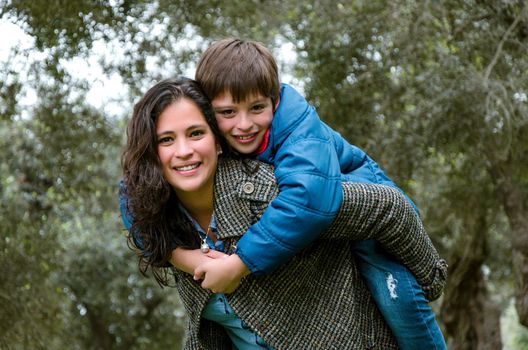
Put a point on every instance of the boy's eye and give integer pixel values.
(258, 107)
(226, 113)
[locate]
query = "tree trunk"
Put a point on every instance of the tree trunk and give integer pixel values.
(514, 200)
(101, 338)
(129, 340)
(470, 317)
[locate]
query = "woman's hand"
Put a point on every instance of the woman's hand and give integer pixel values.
(187, 260)
(215, 254)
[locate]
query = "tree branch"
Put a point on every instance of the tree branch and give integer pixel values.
(495, 59)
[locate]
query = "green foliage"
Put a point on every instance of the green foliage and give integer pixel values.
(70, 26)
(434, 91)
(110, 305)
(71, 281)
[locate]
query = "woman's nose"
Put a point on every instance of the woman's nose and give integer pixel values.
(182, 149)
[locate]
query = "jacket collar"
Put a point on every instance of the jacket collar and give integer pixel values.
(291, 111)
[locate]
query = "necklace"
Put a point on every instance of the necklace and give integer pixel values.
(204, 247)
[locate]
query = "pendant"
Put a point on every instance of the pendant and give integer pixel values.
(204, 247)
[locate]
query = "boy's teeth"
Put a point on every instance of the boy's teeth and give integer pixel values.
(187, 167)
(245, 137)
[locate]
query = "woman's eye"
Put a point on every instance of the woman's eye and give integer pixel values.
(165, 139)
(196, 133)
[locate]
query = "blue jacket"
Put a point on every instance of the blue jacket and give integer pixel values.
(310, 161)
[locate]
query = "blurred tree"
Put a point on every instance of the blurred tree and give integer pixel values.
(472, 86)
(111, 306)
(428, 80)
(434, 91)
(72, 283)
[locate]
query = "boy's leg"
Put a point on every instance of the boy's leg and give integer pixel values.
(399, 298)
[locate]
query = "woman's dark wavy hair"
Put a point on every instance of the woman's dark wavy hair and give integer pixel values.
(158, 224)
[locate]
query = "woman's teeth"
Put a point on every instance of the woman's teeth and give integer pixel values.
(188, 167)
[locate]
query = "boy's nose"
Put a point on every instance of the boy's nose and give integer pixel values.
(244, 121)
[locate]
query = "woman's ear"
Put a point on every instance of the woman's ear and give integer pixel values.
(218, 149)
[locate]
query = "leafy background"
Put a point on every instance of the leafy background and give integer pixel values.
(435, 91)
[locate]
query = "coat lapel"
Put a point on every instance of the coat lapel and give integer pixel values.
(241, 194)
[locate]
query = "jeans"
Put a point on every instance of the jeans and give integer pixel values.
(399, 298)
(243, 338)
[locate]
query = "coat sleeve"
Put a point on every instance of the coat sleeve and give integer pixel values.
(383, 214)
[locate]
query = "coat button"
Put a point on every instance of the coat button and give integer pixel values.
(248, 188)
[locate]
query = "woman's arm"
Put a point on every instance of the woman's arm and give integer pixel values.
(382, 213)
(187, 260)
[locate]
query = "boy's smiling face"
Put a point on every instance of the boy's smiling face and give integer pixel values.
(244, 123)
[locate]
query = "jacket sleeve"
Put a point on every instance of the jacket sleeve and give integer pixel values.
(358, 166)
(310, 159)
(307, 172)
(382, 213)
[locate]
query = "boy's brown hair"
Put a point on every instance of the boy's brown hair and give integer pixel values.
(242, 68)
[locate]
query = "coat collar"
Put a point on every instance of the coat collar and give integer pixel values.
(238, 188)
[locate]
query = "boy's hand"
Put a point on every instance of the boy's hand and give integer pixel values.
(221, 275)
(210, 255)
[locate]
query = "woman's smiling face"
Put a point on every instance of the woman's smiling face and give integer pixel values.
(187, 148)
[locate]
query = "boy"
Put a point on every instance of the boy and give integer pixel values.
(262, 119)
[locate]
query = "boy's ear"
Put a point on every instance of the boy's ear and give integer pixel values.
(276, 104)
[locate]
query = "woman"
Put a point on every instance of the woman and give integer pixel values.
(174, 183)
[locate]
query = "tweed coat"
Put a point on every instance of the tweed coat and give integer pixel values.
(318, 299)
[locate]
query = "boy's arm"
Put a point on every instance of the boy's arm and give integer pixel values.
(188, 260)
(358, 166)
(309, 158)
(308, 174)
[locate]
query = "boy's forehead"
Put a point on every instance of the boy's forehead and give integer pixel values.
(226, 97)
